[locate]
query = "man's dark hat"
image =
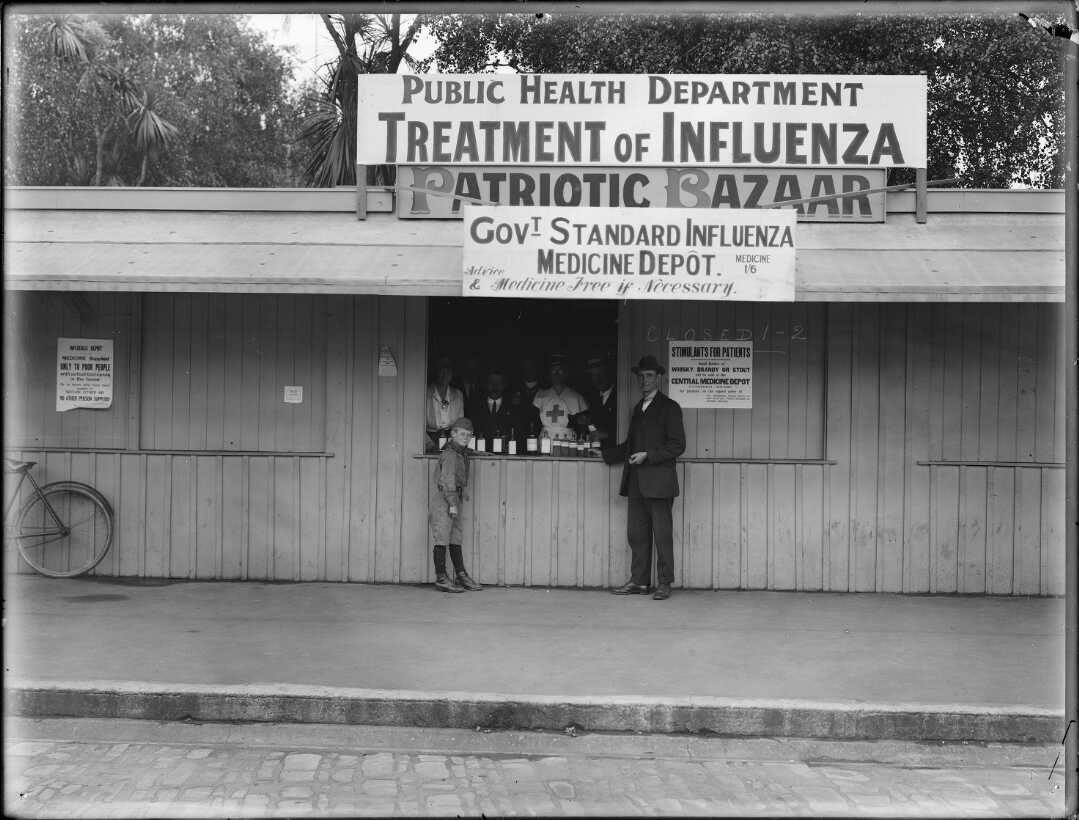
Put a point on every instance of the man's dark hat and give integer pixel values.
(649, 362)
(443, 361)
(558, 360)
(596, 361)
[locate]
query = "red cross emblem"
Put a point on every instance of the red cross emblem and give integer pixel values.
(555, 413)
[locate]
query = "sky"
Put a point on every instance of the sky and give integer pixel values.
(313, 46)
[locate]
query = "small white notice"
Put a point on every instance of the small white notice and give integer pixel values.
(387, 365)
(293, 394)
(83, 373)
(711, 374)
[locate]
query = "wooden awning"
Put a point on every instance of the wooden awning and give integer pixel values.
(984, 255)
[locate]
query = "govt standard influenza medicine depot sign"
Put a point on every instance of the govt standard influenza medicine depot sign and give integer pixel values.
(629, 253)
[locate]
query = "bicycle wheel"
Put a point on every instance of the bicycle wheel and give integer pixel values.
(66, 530)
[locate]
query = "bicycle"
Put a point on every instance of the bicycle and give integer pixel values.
(63, 529)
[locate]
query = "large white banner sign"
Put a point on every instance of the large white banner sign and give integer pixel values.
(711, 374)
(629, 253)
(809, 120)
(83, 373)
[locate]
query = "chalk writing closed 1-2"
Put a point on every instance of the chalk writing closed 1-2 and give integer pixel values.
(795, 332)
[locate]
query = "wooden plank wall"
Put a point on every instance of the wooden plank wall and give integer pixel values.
(787, 419)
(32, 323)
(895, 448)
(214, 367)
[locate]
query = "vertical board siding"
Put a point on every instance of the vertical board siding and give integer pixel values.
(562, 533)
(787, 418)
(810, 500)
(865, 455)
(973, 486)
(837, 501)
(922, 367)
(890, 451)
(214, 368)
(387, 446)
(411, 354)
(873, 389)
(1052, 553)
(32, 324)
(186, 516)
(700, 503)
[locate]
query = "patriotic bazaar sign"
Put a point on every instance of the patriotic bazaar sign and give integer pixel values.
(440, 191)
(711, 374)
(629, 253)
(659, 120)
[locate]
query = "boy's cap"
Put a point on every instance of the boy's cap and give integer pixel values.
(463, 424)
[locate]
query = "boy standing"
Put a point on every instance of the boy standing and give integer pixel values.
(451, 479)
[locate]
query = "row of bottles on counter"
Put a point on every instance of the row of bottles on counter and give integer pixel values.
(543, 444)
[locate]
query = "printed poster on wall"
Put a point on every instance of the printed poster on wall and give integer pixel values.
(629, 253)
(711, 374)
(83, 373)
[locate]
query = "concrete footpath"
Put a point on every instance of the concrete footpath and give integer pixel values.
(731, 663)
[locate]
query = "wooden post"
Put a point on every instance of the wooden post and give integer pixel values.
(1071, 424)
(361, 191)
(134, 373)
(921, 194)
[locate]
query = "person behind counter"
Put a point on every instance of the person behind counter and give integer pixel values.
(655, 439)
(522, 396)
(447, 496)
(444, 401)
(602, 416)
(470, 380)
(492, 413)
(530, 385)
(559, 403)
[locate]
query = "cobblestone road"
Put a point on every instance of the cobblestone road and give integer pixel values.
(99, 768)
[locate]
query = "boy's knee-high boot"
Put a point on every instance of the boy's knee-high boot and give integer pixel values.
(442, 580)
(461, 575)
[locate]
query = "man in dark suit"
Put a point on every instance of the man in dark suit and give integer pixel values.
(470, 380)
(602, 400)
(655, 439)
(492, 414)
(522, 396)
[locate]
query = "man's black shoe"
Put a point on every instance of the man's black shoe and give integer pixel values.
(663, 592)
(631, 588)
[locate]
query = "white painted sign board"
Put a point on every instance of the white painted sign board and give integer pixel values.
(629, 253)
(633, 120)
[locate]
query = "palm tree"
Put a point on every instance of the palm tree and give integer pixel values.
(366, 44)
(129, 110)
